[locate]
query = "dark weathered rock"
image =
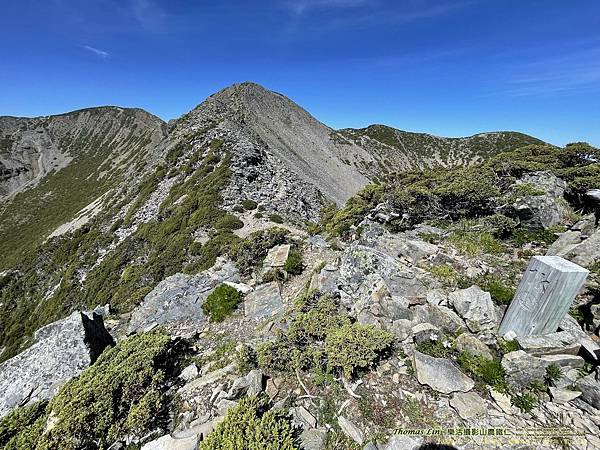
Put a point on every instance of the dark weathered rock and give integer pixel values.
(590, 390)
(59, 352)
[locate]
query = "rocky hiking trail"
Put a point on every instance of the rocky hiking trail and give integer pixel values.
(422, 382)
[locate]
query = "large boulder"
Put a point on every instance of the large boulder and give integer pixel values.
(177, 300)
(60, 351)
(441, 374)
(539, 211)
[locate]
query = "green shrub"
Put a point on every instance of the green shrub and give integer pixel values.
(339, 222)
(526, 190)
(475, 243)
(525, 402)
(249, 205)
(499, 225)
(294, 264)
(508, 346)
(221, 302)
(250, 426)
(229, 222)
(553, 373)
(355, 346)
(322, 339)
(258, 215)
(276, 218)
(501, 293)
(22, 427)
(446, 273)
(488, 371)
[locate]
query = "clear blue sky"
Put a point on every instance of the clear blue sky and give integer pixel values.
(448, 67)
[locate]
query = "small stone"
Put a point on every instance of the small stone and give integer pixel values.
(351, 430)
(313, 438)
(224, 405)
(271, 389)
(189, 373)
(396, 378)
(469, 343)
(563, 395)
(304, 417)
(468, 405)
(503, 401)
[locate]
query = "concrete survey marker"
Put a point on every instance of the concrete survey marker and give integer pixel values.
(544, 296)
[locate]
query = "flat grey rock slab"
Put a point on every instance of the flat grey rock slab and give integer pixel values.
(60, 351)
(168, 442)
(560, 395)
(263, 302)
(468, 404)
(441, 374)
(561, 342)
(178, 299)
(277, 256)
(544, 296)
(351, 430)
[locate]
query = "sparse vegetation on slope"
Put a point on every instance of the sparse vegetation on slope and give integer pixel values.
(122, 394)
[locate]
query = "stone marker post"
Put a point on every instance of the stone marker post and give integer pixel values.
(544, 296)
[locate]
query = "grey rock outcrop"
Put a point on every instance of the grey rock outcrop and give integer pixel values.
(539, 211)
(60, 351)
(178, 299)
(522, 368)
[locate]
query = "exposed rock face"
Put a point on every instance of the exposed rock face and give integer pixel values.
(178, 299)
(32, 148)
(60, 351)
(441, 374)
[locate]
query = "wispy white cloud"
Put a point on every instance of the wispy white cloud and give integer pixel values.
(577, 70)
(300, 7)
(101, 53)
(149, 14)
